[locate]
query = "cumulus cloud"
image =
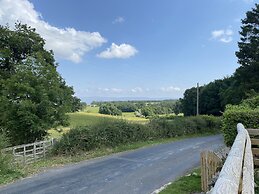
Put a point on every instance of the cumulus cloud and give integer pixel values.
(122, 51)
(223, 35)
(118, 20)
(66, 43)
(170, 89)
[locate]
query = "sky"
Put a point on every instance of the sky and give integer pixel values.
(135, 48)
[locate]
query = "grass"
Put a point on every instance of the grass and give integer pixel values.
(187, 184)
(90, 116)
(11, 176)
(91, 109)
(58, 161)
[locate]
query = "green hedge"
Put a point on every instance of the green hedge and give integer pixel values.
(178, 126)
(105, 134)
(116, 132)
(238, 114)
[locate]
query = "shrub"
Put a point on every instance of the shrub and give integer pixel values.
(109, 109)
(177, 126)
(111, 133)
(108, 133)
(6, 168)
(238, 114)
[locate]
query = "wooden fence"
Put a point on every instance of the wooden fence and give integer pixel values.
(29, 153)
(254, 135)
(209, 167)
(237, 174)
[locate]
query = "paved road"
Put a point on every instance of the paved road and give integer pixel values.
(135, 172)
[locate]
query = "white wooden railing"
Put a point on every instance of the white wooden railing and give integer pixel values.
(237, 174)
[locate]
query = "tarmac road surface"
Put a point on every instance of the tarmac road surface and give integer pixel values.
(139, 171)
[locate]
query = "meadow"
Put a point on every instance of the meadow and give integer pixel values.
(91, 116)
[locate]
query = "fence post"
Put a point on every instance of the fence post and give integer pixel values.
(44, 149)
(24, 155)
(209, 164)
(34, 152)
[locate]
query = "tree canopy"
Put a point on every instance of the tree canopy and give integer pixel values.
(33, 96)
(247, 75)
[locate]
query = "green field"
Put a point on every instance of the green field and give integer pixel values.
(90, 116)
(91, 109)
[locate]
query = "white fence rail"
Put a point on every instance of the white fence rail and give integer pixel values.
(237, 174)
(29, 153)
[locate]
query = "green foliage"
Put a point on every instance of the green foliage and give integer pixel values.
(247, 75)
(105, 134)
(185, 185)
(109, 109)
(7, 170)
(126, 106)
(246, 113)
(149, 107)
(112, 133)
(147, 111)
(213, 98)
(189, 101)
(33, 96)
(178, 126)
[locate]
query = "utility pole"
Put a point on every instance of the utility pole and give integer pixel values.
(197, 110)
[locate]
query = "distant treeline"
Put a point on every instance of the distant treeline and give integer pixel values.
(142, 108)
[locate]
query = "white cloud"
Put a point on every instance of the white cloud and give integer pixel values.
(116, 90)
(170, 89)
(222, 35)
(118, 51)
(137, 89)
(112, 90)
(66, 43)
(118, 20)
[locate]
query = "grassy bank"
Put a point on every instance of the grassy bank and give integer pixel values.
(190, 183)
(57, 161)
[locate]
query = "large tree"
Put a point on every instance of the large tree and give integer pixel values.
(247, 75)
(33, 95)
(189, 101)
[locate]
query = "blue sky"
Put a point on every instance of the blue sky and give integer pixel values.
(135, 48)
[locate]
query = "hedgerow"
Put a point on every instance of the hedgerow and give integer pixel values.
(246, 113)
(116, 132)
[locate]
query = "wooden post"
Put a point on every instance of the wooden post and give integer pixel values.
(24, 155)
(44, 149)
(34, 152)
(209, 164)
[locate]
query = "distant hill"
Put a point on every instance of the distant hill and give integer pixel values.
(89, 100)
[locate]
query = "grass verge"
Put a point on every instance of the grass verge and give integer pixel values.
(59, 161)
(187, 184)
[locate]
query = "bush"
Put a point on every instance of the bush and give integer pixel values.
(238, 114)
(177, 126)
(111, 133)
(108, 133)
(109, 109)
(6, 169)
